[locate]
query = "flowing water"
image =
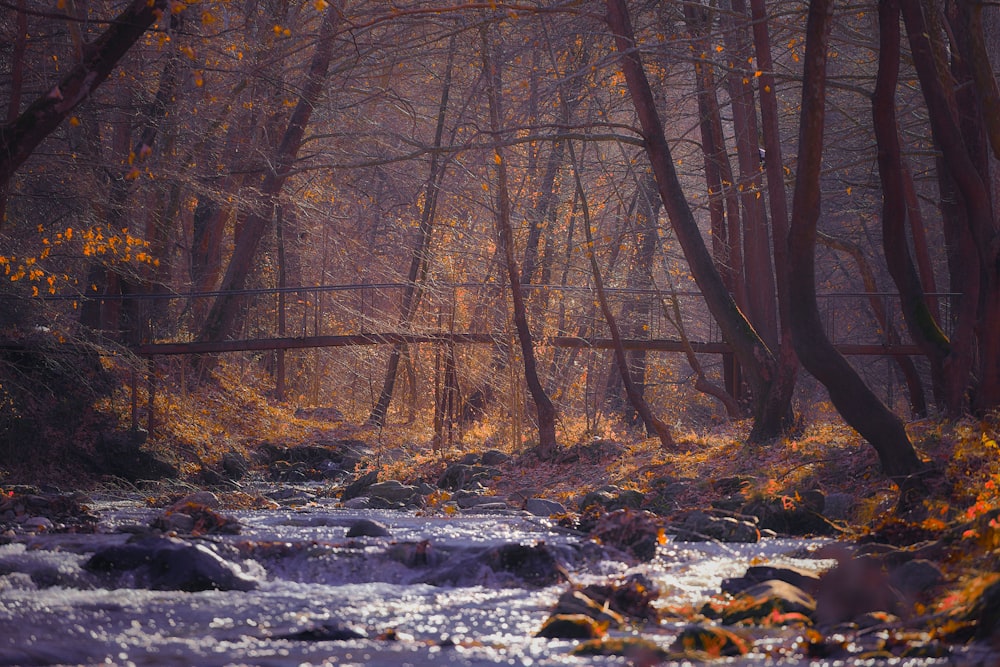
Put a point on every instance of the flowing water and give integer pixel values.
(421, 596)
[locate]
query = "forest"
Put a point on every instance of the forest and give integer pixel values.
(749, 242)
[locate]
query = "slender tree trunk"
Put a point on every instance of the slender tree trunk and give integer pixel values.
(419, 259)
(723, 199)
(222, 316)
(852, 398)
(919, 319)
(777, 413)
(546, 413)
(963, 163)
(653, 425)
(752, 352)
(759, 274)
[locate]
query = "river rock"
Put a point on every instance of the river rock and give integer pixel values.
(611, 498)
(463, 476)
(368, 528)
(634, 532)
(698, 526)
(806, 580)
(194, 518)
(393, 491)
(316, 460)
(571, 626)
(985, 613)
(856, 586)
(120, 453)
(632, 597)
(534, 564)
(202, 498)
(235, 466)
(771, 602)
(29, 508)
(359, 486)
(494, 457)
(543, 507)
(328, 632)
(38, 524)
(164, 563)
(916, 579)
(576, 602)
(637, 650)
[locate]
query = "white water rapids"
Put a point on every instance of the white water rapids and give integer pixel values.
(53, 611)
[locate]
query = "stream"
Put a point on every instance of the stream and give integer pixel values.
(303, 592)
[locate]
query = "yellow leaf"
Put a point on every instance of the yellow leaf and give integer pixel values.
(321, 5)
(74, 121)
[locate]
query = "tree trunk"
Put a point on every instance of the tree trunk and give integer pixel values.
(546, 413)
(963, 163)
(919, 319)
(777, 412)
(759, 274)
(723, 199)
(852, 398)
(222, 315)
(752, 352)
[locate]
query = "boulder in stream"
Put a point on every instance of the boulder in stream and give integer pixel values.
(699, 526)
(634, 532)
(166, 563)
(327, 632)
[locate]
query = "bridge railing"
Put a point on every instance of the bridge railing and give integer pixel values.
(482, 310)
